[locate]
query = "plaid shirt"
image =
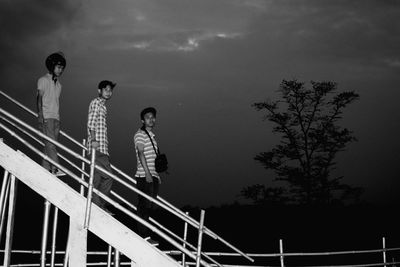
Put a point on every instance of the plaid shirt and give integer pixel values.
(97, 121)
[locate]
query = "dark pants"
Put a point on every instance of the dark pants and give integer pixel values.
(101, 181)
(145, 207)
(51, 128)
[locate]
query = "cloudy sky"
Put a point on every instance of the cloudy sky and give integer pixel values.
(202, 63)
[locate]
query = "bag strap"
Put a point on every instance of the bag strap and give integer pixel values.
(151, 140)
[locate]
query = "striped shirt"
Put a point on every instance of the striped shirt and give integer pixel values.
(97, 121)
(142, 140)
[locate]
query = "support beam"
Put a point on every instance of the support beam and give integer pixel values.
(10, 221)
(77, 243)
(73, 204)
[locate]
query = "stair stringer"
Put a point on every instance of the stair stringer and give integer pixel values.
(73, 204)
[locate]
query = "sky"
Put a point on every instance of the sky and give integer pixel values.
(202, 63)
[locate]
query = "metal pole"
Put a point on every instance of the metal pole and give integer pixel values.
(384, 251)
(116, 258)
(35, 114)
(109, 200)
(3, 190)
(166, 205)
(184, 239)
(83, 167)
(200, 238)
(10, 221)
(3, 206)
(90, 190)
(44, 233)
(281, 252)
(66, 256)
(53, 241)
(109, 256)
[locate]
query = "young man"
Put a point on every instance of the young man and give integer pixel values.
(148, 180)
(98, 139)
(48, 94)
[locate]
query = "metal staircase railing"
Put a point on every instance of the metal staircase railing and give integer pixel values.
(169, 236)
(73, 204)
(115, 204)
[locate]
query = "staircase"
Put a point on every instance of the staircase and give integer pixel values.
(83, 215)
(73, 204)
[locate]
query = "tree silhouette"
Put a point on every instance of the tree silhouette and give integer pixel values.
(307, 120)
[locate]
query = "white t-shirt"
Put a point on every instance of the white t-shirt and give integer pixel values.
(51, 93)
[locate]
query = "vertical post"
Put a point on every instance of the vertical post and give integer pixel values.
(116, 258)
(109, 256)
(82, 192)
(77, 243)
(82, 188)
(10, 221)
(3, 190)
(384, 251)
(4, 205)
(184, 239)
(53, 241)
(200, 238)
(90, 190)
(281, 252)
(66, 255)
(44, 233)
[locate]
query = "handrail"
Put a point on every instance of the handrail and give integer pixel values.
(170, 207)
(41, 143)
(35, 115)
(113, 176)
(108, 199)
(112, 192)
(260, 255)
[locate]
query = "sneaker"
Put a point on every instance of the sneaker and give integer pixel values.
(151, 241)
(59, 173)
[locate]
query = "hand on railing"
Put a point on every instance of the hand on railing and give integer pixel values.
(95, 144)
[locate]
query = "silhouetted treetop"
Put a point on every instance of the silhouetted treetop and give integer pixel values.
(308, 121)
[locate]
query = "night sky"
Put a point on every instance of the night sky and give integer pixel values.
(202, 63)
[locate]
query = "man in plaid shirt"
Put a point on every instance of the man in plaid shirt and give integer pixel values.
(97, 139)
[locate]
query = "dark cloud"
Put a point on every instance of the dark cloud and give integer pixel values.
(360, 30)
(25, 30)
(22, 20)
(204, 93)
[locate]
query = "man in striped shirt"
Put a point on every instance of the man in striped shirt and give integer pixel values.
(98, 139)
(148, 180)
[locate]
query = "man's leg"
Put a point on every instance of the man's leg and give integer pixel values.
(101, 181)
(42, 127)
(96, 181)
(143, 206)
(50, 129)
(106, 181)
(56, 134)
(154, 188)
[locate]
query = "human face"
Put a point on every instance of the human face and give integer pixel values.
(106, 92)
(149, 120)
(58, 70)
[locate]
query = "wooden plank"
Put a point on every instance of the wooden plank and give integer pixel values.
(72, 203)
(78, 241)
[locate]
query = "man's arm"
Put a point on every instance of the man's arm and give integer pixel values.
(92, 121)
(95, 143)
(39, 101)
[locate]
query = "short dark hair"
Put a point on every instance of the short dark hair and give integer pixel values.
(148, 110)
(104, 83)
